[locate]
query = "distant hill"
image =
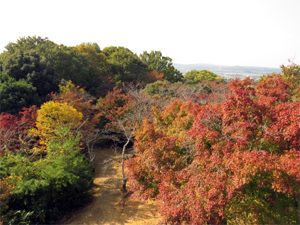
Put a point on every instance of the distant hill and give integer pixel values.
(228, 71)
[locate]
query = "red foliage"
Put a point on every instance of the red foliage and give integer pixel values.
(272, 91)
(246, 148)
(158, 150)
(284, 130)
(114, 105)
(153, 76)
(14, 129)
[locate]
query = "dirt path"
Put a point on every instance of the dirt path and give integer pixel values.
(107, 205)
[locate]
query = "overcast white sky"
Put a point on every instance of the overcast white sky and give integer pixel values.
(223, 32)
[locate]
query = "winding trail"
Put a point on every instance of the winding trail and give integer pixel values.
(107, 206)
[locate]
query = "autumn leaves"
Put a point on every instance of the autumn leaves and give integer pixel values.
(232, 162)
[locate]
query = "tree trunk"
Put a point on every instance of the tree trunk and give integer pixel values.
(124, 189)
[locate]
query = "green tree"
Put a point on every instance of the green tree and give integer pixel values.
(125, 66)
(28, 43)
(97, 79)
(196, 76)
(15, 95)
(163, 64)
(155, 87)
(41, 45)
(68, 63)
(33, 68)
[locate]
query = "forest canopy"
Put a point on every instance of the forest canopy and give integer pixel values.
(39, 65)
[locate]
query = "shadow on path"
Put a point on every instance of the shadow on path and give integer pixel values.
(107, 204)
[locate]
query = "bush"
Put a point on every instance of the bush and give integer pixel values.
(43, 190)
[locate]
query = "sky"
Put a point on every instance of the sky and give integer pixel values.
(262, 33)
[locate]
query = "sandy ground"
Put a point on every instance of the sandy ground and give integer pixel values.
(107, 206)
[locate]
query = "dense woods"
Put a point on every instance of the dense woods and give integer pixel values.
(211, 151)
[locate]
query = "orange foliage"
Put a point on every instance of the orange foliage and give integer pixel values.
(153, 76)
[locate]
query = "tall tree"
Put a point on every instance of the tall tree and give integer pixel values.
(163, 64)
(125, 111)
(68, 63)
(41, 45)
(97, 78)
(33, 68)
(125, 66)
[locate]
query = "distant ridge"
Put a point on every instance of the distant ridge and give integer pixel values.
(228, 71)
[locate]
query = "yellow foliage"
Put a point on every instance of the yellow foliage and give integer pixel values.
(53, 115)
(68, 86)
